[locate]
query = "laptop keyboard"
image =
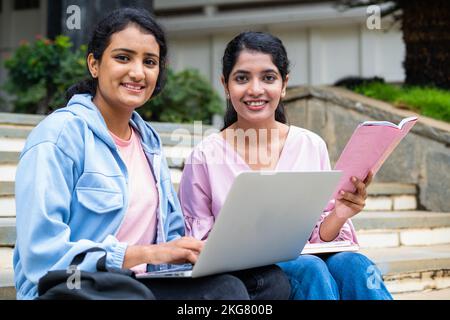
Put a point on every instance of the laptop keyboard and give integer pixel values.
(175, 268)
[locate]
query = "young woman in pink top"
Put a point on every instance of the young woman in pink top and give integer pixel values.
(256, 137)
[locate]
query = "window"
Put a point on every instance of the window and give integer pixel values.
(26, 4)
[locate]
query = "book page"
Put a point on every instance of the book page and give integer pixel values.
(388, 124)
(329, 247)
(379, 123)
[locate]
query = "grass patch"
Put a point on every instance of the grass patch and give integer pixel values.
(430, 102)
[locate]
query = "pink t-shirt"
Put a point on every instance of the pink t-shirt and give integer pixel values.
(139, 224)
(213, 165)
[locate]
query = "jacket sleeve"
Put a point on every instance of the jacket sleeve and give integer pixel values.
(347, 231)
(45, 180)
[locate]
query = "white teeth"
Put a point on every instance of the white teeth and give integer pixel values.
(255, 103)
(132, 87)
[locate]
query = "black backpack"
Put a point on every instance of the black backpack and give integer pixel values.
(105, 284)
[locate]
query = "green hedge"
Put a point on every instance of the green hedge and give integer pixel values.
(40, 73)
(186, 97)
(430, 102)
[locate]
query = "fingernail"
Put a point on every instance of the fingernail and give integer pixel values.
(342, 192)
(353, 179)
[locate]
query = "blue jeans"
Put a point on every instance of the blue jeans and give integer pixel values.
(343, 275)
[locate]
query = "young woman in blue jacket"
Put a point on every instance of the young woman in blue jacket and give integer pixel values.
(93, 174)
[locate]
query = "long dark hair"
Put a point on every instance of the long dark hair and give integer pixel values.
(257, 42)
(117, 21)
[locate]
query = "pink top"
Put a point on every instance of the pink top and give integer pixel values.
(213, 165)
(139, 224)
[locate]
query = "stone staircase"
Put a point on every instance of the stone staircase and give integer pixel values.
(410, 246)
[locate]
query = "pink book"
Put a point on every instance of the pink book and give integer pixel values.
(369, 146)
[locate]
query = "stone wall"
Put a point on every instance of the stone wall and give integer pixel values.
(422, 158)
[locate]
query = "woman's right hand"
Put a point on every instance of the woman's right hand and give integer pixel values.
(183, 250)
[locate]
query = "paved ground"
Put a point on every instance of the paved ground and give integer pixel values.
(443, 294)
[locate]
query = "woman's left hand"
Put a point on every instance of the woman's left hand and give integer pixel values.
(349, 204)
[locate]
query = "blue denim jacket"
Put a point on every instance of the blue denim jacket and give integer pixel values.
(72, 193)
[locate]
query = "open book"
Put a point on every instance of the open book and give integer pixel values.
(370, 145)
(329, 247)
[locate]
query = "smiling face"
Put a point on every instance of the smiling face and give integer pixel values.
(128, 70)
(255, 87)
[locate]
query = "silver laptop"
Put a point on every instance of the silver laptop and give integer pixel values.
(266, 218)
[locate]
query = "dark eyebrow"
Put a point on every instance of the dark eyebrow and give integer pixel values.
(246, 72)
(240, 71)
(270, 70)
(134, 52)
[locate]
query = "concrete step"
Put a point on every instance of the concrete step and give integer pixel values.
(402, 228)
(8, 172)
(7, 207)
(429, 294)
(391, 188)
(391, 203)
(7, 232)
(405, 270)
(6, 188)
(367, 220)
(9, 157)
(10, 144)
(18, 119)
(7, 290)
(391, 197)
(15, 132)
(413, 269)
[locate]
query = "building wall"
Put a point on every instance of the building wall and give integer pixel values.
(318, 55)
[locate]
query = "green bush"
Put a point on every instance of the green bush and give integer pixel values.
(430, 102)
(40, 73)
(186, 97)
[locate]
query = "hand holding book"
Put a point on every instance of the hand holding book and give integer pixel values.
(349, 204)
